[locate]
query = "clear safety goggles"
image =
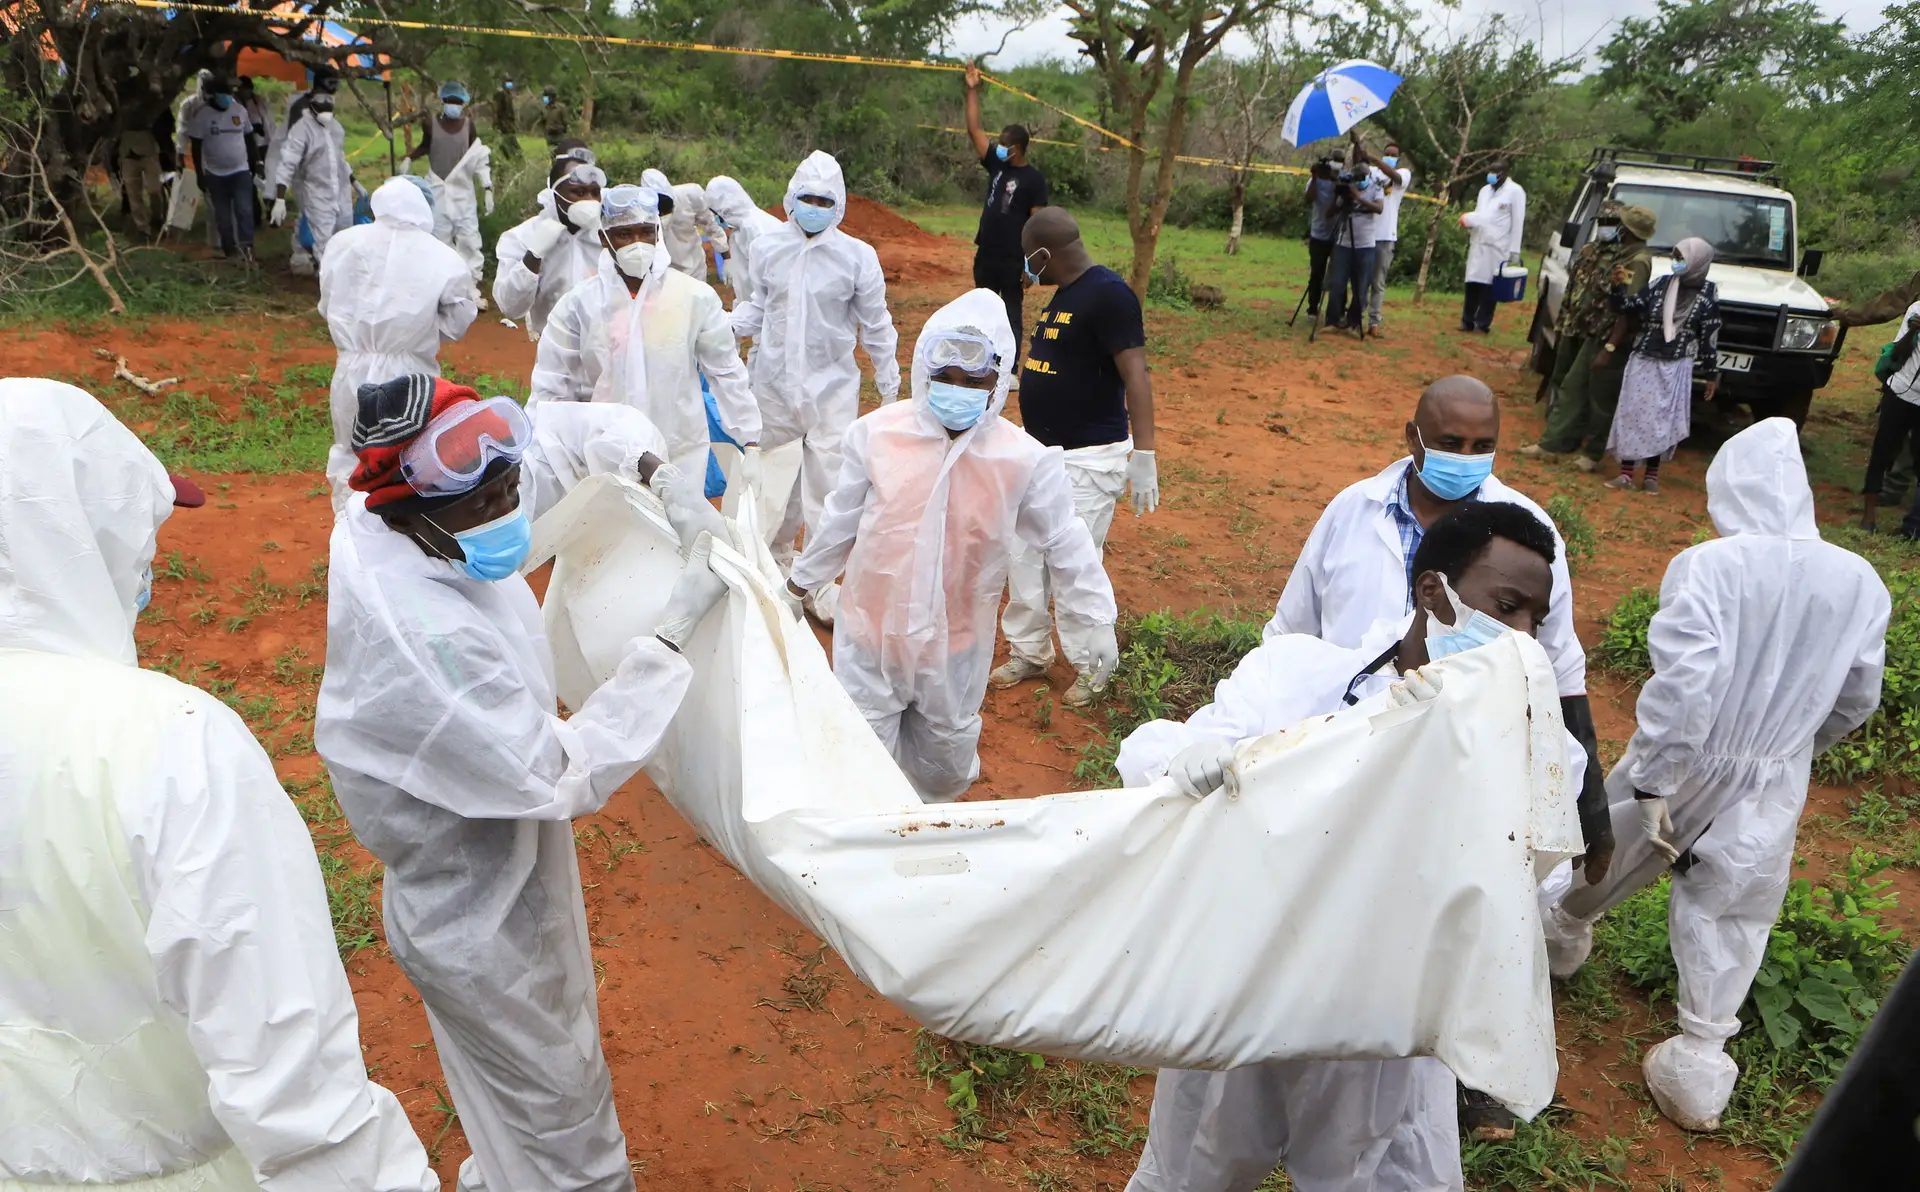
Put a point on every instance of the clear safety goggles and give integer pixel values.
(452, 454)
(972, 354)
(579, 153)
(626, 204)
(582, 174)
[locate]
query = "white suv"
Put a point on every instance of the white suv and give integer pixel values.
(1777, 342)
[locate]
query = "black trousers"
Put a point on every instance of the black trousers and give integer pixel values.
(1318, 253)
(1002, 275)
(1899, 425)
(1476, 309)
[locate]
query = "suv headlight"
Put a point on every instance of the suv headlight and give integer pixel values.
(1813, 334)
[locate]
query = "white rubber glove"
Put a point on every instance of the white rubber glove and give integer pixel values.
(1415, 687)
(1143, 478)
(1656, 824)
(688, 510)
(1203, 768)
(1103, 654)
(542, 236)
(694, 594)
(749, 473)
(488, 195)
(795, 602)
(279, 215)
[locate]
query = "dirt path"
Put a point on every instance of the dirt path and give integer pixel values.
(744, 1056)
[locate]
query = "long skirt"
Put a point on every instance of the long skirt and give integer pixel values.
(1656, 408)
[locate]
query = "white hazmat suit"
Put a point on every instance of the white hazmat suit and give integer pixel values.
(1768, 648)
(529, 297)
(391, 295)
(681, 232)
(923, 524)
(745, 223)
(436, 721)
(313, 166)
(809, 296)
(603, 343)
(456, 205)
(1352, 573)
(1496, 229)
(173, 1013)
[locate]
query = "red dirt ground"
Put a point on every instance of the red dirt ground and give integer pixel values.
(723, 1078)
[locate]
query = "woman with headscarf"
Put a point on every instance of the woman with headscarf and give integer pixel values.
(1679, 325)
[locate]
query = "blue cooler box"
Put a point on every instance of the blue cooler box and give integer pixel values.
(1510, 283)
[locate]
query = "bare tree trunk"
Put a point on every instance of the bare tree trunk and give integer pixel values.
(1137, 222)
(1239, 193)
(1146, 239)
(1426, 253)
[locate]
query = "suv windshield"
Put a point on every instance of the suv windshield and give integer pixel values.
(1743, 229)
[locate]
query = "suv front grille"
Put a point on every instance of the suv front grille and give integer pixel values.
(1746, 329)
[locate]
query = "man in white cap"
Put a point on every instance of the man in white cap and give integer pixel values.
(540, 260)
(642, 334)
(173, 1013)
(813, 290)
(391, 295)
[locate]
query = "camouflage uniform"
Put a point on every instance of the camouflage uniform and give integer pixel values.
(1584, 398)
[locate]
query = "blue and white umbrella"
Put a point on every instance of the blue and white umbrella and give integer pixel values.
(1338, 98)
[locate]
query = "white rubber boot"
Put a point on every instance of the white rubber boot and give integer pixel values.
(1691, 1080)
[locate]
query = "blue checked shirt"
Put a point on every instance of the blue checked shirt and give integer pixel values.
(1409, 526)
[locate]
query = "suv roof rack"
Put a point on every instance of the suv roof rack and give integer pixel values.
(1752, 168)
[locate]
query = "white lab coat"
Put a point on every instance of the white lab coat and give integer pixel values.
(585, 354)
(1768, 648)
(313, 166)
(436, 721)
(809, 296)
(391, 295)
(528, 297)
(923, 526)
(1352, 573)
(205, 1036)
(746, 222)
(456, 204)
(1496, 228)
(1341, 1125)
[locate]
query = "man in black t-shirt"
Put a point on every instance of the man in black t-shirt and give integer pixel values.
(1086, 392)
(1015, 190)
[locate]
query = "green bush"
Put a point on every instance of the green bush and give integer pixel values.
(1168, 669)
(1888, 744)
(1623, 644)
(1169, 285)
(1570, 518)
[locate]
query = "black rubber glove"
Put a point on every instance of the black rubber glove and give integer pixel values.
(1596, 824)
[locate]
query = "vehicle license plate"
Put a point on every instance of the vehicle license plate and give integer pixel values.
(1735, 362)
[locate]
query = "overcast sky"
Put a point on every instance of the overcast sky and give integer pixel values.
(1561, 25)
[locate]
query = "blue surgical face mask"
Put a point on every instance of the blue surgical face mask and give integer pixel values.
(495, 550)
(144, 596)
(452, 110)
(1450, 475)
(1026, 265)
(956, 406)
(1001, 152)
(1390, 162)
(1493, 179)
(812, 220)
(222, 102)
(1471, 628)
(1607, 233)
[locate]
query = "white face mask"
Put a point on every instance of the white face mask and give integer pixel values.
(324, 118)
(584, 214)
(635, 259)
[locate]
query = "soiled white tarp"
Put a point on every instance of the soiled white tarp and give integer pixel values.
(1370, 893)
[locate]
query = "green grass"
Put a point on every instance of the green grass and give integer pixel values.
(988, 1087)
(1168, 669)
(1545, 1154)
(281, 427)
(154, 282)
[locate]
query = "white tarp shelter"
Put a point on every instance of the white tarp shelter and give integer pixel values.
(1369, 893)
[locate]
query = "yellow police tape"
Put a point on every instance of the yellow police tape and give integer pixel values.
(289, 19)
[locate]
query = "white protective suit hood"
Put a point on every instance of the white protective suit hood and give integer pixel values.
(730, 201)
(399, 201)
(981, 311)
(1757, 484)
(81, 502)
(819, 174)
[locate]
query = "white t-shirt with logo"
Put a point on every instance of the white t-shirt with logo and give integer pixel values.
(1387, 225)
(1365, 223)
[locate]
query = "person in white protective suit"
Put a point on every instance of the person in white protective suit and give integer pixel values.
(313, 162)
(436, 722)
(1768, 648)
(682, 229)
(744, 222)
(539, 261)
(933, 494)
(811, 290)
(1496, 234)
(641, 334)
(173, 1012)
(460, 170)
(1339, 1125)
(391, 295)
